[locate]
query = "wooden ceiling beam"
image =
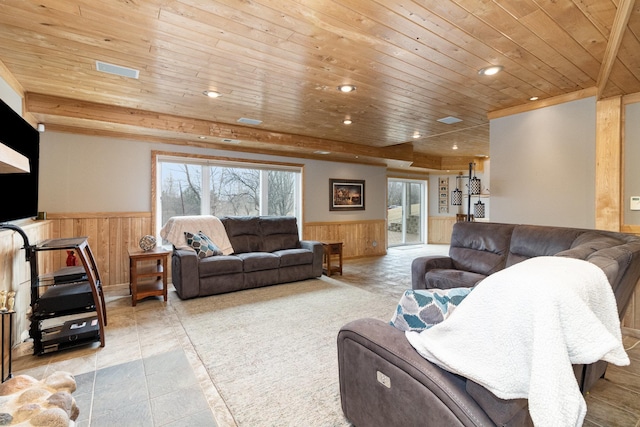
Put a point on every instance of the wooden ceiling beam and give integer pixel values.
(620, 22)
(65, 107)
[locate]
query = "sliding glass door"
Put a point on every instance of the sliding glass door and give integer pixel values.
(405, 212)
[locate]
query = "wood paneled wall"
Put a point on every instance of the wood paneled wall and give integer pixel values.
(440, 228)
(109, 234)
(15, 271)
(359, 238)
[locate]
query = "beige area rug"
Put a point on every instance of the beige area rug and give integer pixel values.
(271, 352)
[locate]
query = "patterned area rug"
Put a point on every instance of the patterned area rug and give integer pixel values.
(271, 352)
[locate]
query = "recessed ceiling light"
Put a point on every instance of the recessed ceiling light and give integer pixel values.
(212, 93)
(347, 121)
(202, 137)
(346, 88)
(455, 147)
(321, 152)
(490, 71)
(416, 135)
(533, 98)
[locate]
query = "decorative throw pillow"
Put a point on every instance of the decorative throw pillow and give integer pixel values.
(420, 309)
(202, 244)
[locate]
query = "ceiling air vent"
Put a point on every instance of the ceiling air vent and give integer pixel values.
(449, 120)
(246, 121)
(117, 70)
(231, 141)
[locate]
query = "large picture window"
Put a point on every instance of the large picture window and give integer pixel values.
(225, 187)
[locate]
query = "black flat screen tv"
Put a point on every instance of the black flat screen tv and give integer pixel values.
(19, 191)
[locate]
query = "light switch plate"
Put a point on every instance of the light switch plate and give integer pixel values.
(634, 205)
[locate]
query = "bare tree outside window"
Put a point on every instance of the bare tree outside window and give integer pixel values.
(181, 190)
(242, 191)
(281, 193)
(232, 191)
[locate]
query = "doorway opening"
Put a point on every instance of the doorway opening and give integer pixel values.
(406, 207)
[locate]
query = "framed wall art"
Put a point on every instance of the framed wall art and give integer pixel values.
(443, 195)
(346, 195)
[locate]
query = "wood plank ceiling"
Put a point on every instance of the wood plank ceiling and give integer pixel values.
(281, 61)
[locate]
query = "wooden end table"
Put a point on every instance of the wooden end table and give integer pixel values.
(331, 249)
(148, 279)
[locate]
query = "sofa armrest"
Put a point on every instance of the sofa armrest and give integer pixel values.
(420, 266)
(318, 253)
(384, 381)
(184, 273)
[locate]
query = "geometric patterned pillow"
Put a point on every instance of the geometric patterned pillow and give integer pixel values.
(202, 244)
(420, 309)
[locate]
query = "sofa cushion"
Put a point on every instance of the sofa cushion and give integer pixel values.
(529, 241)
(447, 279)
(244, 233)
(480, 247)
(421, 309)
(278, 225)
(588, 243)
(173, 231)
(276, 242)
(502, 412)
(259, 261)
(279, 233)
(202, 244)
(289, 257)
(219, 265)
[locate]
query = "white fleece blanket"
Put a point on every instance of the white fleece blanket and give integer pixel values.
(518, 332)
(173, 231)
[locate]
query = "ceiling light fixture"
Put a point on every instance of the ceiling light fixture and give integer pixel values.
(347, 121)
(455, 147)
(212, 93)
(490, 71)
(346, 88)
(324, 153)
(416, 135)
(533, 98)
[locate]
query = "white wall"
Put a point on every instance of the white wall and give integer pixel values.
(543, 166)
(97, 174)
(632, 156)
(10, 97)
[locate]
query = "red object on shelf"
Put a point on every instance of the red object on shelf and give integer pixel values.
(71, 259)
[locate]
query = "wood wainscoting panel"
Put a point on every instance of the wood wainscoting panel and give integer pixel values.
(110, 235)
(359, 238)
(15, 271)
(440, 228)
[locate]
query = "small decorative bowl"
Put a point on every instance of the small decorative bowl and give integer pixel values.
(147, 242)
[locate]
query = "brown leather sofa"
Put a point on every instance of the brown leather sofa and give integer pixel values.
(385, 382)
(266, 251)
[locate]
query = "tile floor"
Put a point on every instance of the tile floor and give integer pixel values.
(148, 374)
